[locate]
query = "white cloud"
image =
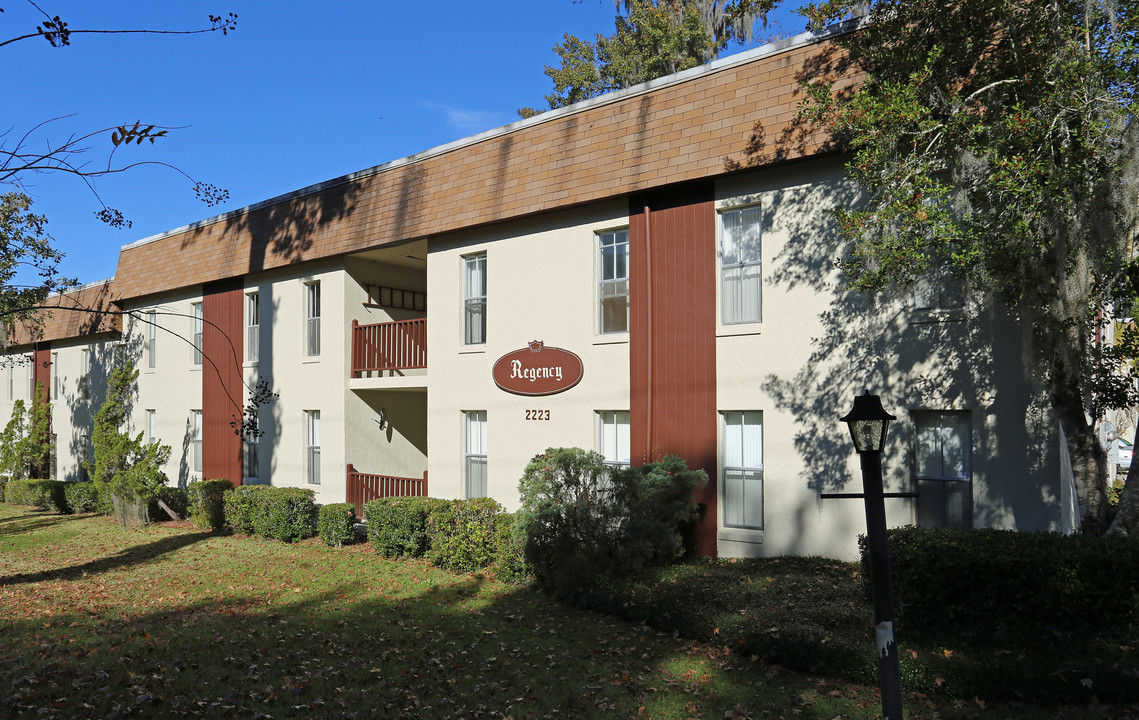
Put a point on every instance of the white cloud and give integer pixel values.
(468, 122)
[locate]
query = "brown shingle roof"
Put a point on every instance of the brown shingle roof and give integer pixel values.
(697, 125)
(92, 312)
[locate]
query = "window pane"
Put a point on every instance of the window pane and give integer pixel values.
(943, 466)
(476, 476)
(743, 469)
(474, 300)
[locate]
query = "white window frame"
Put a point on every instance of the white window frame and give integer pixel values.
(312, 319)
(937, 484)
(741, 470)
(151, 339)
(936, 293)
(31, 379)
(252, 326)
(199, 321)
(55, 375)
(85, 454)
(196, 440)
(250, 460)
(474, 298)
(741, 265)
(612, 283)
(151, 426)
(11, 381)
(312, 446)
(474, 454)
(613, 438)
(85, 372)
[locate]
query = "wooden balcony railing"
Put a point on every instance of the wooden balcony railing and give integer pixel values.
(398, 345)
(363, 487)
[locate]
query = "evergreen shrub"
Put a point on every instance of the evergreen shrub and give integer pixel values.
(240, 507)
(42, 494)
(336, 524)
(509, 559)
(463, 534)
(996, 582)
(397, 527)
(207, 503)
(82, 497)
(582, 520)
(284, 513)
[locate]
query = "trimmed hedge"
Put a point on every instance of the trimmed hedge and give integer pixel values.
(463, 534)
(336, 524)
(177, 499)
(42, 494)
(207, 503)
(509, 559)
(83, 497)
(993, 582)
(397, 527)
(281, 513)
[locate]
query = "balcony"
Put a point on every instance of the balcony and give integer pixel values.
(391, 355)
(363, 487)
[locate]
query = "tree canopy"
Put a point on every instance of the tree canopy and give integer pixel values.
(653, 38)
(996, 141)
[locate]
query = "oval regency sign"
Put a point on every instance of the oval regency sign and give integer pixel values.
(538, 370)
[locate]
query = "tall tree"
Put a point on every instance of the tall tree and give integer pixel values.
(997, 141)
(651, 39)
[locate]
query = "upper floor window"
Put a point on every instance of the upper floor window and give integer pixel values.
(613, 432)
(11, 382)
(742, 464)
(474, 299)
(151, 339)
(740, 266)
(197, 333)
(31, 378)
(943, 466)
(84, 372)
(55, 384)
(936, 290)
(252, 326)
(613, 281)
(312, 318)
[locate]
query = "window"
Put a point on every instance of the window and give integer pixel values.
(55, 375)
(54, 467)
(31, 378)
(196, 438)
(197, 333)
(936, 290)
(613, 281)
(86, 452)
(11, 382)
(312, 319)
(474, 452)
(474, 299)
(312, 446)
(84, 372)
(944, 468)
(249, 457)
(252, 326)
(151, 339)
(613, 426)
(740, 266)
(743, 469)
(151, 426)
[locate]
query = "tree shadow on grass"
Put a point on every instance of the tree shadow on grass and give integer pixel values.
(129, 557)
(36, 520)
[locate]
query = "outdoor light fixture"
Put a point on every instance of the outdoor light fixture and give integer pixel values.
(868, 423)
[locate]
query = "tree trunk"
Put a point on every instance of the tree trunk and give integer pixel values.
(1127, 513)
(1089, 459)
(131, 512)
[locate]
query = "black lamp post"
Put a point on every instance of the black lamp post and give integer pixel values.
(868, 423)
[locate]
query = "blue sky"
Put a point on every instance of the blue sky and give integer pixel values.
(299, 93)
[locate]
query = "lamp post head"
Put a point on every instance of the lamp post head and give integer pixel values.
(868, 422)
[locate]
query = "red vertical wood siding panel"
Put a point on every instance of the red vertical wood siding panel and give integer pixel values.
(672, 336)
(41, 372)
(222, 387)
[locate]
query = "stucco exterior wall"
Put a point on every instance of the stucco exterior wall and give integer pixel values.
(541, 285)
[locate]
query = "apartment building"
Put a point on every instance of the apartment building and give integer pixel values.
(645, 273)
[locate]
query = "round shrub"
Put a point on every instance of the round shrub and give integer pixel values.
(82, 497)
(462, 534)
(336, 524)
(207, 503)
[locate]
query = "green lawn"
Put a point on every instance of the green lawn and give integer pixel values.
(168, 621)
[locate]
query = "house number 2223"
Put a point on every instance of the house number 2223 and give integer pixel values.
(537, 414)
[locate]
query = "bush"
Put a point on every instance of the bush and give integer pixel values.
(462, 534)
(509, 560)
(240, 507)
(397, 527)
(582, 520)
(284, 513)
(42, 494)
(175, 498)
(82, 497)
(995, 582)
(207, 503)
(336, 524)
